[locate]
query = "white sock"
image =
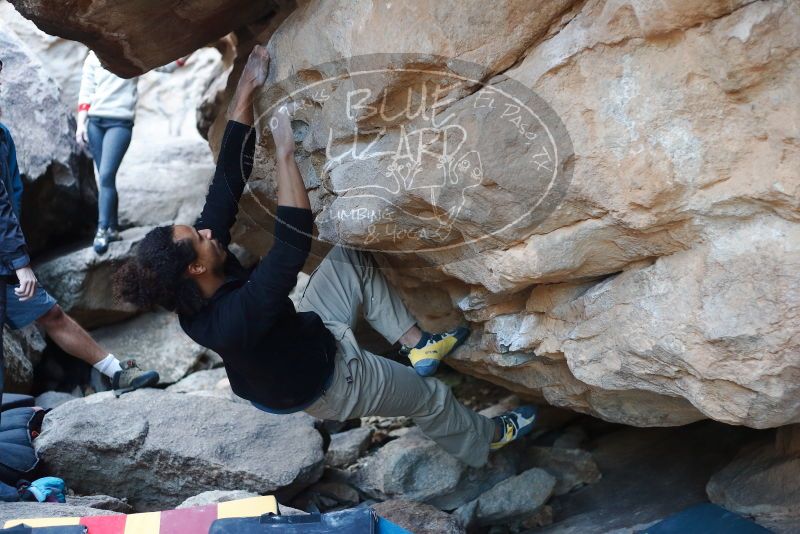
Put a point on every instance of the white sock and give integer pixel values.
(108, 365)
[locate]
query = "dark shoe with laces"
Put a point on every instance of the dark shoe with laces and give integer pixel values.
(132, 377)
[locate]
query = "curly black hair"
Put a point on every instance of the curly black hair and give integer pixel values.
(156, 275)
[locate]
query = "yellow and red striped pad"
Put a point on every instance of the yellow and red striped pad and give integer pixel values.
(193, 520)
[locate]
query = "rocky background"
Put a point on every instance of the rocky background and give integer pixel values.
(661, 291)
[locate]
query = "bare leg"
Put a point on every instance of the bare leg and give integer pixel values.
(70, 336)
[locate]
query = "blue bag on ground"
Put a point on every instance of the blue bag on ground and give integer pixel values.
(354, 521)
(8, 493)
(705, 519)
(45, 489)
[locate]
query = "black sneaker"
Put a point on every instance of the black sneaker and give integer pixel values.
(131, 378)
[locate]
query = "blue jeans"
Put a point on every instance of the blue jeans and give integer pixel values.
(109, 140)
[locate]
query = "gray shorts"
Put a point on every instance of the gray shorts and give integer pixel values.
(20, 314)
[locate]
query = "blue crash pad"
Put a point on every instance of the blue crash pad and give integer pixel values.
(17, 456)
(705, 519)
(352, 521)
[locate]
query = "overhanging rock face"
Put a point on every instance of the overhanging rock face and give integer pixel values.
(662, 287)
(657, 289)
(133, 36)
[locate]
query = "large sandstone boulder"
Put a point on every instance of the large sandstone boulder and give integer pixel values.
(59, 189)
(133, 37)
(706, 325)
(656, 287)
(660, 289)
(164, 447)
(157, 342)
(761, 482)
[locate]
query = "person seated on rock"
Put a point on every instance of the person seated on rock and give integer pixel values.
(26, 301)
(282, 359)
(106, 111)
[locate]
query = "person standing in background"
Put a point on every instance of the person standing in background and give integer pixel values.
(23, 301)
(106, 112)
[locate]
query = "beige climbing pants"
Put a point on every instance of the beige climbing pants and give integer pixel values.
(346, 283)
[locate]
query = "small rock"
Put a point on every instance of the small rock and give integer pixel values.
(288, 510)
(572, 468)
(53, 399)
(542, 518)
(347, 447)
(414, 467)
(216, 496)
(101, 502)
(417, 517)
(512, 499)
(341, 493)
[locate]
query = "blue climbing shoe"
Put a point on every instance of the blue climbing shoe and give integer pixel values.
(432, 348)
(515, 424)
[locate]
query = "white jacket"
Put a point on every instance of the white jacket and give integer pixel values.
(106, 94)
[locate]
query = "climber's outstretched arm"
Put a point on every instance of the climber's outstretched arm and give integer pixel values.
(235, 161)
(253, 77)
(291, 190)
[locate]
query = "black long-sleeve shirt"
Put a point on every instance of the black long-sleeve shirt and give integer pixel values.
(274, 356)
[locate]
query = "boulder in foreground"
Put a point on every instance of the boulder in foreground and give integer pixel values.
(158, 448)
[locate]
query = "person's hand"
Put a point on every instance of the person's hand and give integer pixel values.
(280, 124)
(255, 70)
(253, 77)
(27, 283)
(82, 133)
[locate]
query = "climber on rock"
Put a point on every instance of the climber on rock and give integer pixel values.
(26, 301)
(283, 359)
